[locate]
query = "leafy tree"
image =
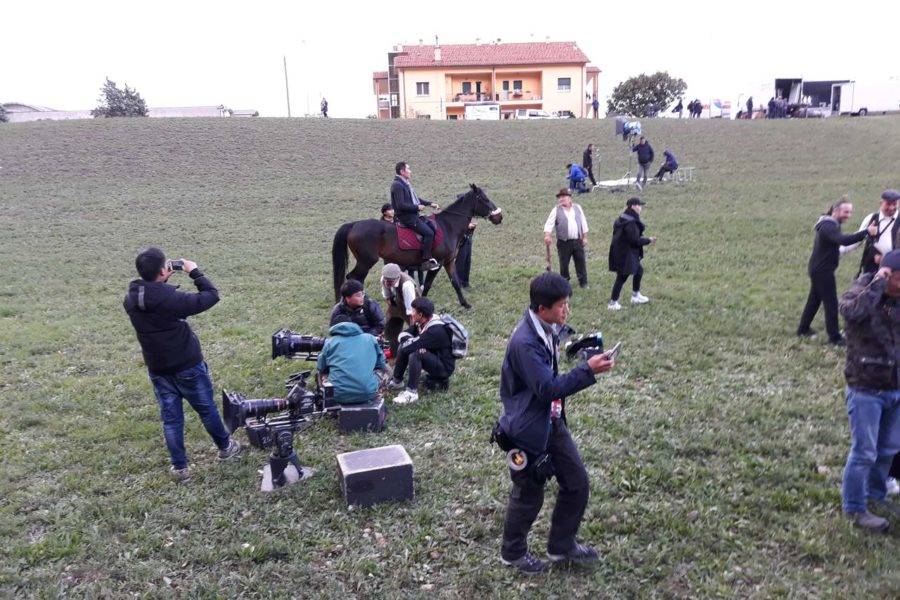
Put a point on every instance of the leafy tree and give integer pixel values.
(639, 95)
(3, 117)
(115, 102)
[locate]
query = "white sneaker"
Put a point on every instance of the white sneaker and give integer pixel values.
(638, 186)
(893, 488)
(406, 397)
(639, 298)
(613, 305)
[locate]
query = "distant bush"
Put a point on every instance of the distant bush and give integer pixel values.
(3, 117)
(115, 102)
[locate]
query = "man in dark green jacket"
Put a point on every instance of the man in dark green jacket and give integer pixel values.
(350, 359)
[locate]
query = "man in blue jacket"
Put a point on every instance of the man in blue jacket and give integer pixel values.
(158, 312)
(576, 178)
(670, 166)
(406, 210)
(645, 159)
(534, 420)
(350, 359)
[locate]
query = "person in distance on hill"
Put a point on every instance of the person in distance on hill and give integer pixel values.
(587, 163)
(670, 166)
(576, 178)
(324, 107)
(568, 222)
(534, 394)
(399, 290)
(645, 159)
(464, 256)
(822, 264)
(427, 345)
(350, 359)
(871, 311)
(626, 251)
(359, 308)
(158, 312)
(886, 236)
(407, 207)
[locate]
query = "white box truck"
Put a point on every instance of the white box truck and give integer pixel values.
(482, 111)
(862, 98)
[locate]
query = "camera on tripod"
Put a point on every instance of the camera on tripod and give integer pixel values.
(295, 346)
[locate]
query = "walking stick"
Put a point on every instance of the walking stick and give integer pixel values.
(547, 246)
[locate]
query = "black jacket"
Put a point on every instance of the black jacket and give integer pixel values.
(872, 329)
(436, 339)
(644, 153)
(826, 248)
(627, 247)
(405, 208)
(587, 160)
(368, 316)
(158, 312)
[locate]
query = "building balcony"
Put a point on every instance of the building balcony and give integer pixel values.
(502, 97)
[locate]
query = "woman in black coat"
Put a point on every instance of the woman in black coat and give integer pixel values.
(626, 251)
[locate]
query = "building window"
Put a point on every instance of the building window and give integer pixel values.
(422, 88)
(564, 84)
(506, 86)
(517, 85)
(467, 87)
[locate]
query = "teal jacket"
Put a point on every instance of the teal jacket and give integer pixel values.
(350, 358)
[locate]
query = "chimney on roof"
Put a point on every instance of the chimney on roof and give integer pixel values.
(437, 54)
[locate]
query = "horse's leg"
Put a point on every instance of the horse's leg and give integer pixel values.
(429, 279)
(450, 267)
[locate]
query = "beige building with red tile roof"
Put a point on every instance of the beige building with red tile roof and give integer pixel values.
(436, 82)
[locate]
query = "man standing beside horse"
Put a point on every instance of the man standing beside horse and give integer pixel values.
(406, 210)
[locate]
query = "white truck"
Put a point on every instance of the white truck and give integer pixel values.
(863, 98)
(482, 111)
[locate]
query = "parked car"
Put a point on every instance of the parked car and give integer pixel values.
(533, 113)
(565, 114)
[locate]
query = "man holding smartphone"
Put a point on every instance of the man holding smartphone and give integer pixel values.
(534, 421)
(158, 312)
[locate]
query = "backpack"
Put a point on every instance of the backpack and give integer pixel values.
(459, 336)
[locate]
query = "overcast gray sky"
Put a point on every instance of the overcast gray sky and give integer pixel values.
(193, 53)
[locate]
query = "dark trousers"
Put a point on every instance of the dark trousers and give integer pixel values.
(464, 261)
(567, 250)
(895, 468)
(822, 291)
(663, 170)
(392, 328)
(417, 361)
(424, 228)
(590, 172)
(527, 498)
(620, 281)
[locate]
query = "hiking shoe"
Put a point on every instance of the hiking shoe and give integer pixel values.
(584, 286)
(430, 265)
(639, 298)
(870, 522)
(407, 397)
(614, 305)
(893, 488)
(578, 554)
(638, 186)
(838, 342)
(180, 475)
(528, 564)
(809, 332)
(232, 450)
(395, 384)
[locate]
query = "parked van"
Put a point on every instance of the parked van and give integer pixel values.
(533, 113)
(482, 111)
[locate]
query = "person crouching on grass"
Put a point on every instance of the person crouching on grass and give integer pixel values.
(534, 420)
(871, 311)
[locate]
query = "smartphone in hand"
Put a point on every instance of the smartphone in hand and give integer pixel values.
(614, 352)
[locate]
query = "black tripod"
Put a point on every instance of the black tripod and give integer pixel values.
(282, 455)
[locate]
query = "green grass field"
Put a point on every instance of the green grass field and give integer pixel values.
(715, 448)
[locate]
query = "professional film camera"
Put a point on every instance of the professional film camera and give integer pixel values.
(295, 346)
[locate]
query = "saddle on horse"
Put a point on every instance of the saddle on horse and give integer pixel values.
(407, 239)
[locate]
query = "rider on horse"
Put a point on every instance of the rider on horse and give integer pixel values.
(406, 210)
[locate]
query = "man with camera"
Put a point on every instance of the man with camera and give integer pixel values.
(158, 312)
(399, 290)
(534, 421)
(359, 308)
(427, 345)
(871, 311)
(407, 206)
(350, 359)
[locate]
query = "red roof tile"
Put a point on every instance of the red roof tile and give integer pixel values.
(463, 55)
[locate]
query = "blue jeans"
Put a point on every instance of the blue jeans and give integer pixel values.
(875, 439)
(195, 386)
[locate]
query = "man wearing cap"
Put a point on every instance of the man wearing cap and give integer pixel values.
(406, 210)
(568, 222)
(158, 312)
(871, 311)
(626, 251)
(350, 359)
(823, 262)
(399, 290)
(886, 237)
(361, 309)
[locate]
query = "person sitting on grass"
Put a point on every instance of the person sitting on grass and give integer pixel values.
(427, 345)
(576, 178)
(350, 359)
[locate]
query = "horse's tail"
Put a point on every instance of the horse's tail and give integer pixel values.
(339, 257)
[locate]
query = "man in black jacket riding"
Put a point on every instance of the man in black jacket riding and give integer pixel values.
(822, 264)
(171, 350)
(406, 210)
(361, 309)
(427, 345)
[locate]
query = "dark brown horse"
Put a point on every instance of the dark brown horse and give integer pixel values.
(372, 239)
